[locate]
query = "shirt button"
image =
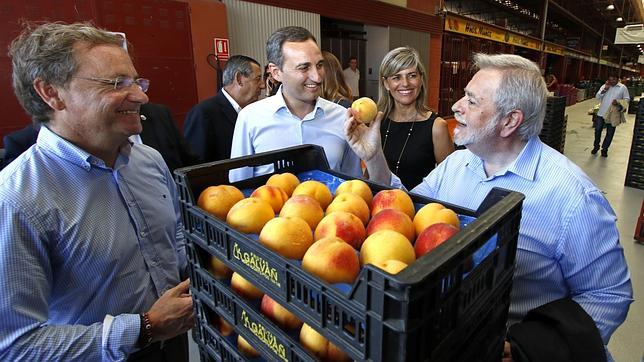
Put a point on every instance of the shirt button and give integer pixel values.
(143, 234)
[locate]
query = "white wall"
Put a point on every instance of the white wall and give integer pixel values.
(377, 47)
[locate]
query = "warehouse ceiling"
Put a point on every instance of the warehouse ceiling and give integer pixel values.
(577, 24)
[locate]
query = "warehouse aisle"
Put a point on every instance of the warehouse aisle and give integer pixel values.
(609, 174)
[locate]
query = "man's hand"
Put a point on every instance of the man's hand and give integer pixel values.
(507, 352)
(614, 102)
(364, 140)
(172, 314)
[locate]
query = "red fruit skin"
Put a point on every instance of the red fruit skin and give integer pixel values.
(432, 237)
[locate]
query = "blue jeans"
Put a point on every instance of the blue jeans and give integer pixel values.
(599, 124)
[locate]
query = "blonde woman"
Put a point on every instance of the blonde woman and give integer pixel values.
(334, 87)
(414, 138)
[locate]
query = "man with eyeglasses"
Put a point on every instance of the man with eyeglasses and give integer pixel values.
(92, 253)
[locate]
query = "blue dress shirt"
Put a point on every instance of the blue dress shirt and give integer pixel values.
(268, 125)
(568, 239)
(84, 248)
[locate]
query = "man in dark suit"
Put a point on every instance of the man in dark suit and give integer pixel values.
(18, 141)
(161, 133)
(210, 124)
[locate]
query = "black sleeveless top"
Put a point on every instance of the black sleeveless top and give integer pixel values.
(417, 159)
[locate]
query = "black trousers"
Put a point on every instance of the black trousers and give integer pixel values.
(599, 123)
(171, 350)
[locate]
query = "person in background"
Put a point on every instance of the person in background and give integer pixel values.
(352, 77)
(552, 84)
(160, 132)
(297, 110)
(209, 125)
(271, 84)
(414, 139)
(334, 87)
(92, 250)
(568, 243)
(614, 98)
(18, 141)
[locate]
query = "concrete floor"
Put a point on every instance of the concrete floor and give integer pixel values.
(627, 344)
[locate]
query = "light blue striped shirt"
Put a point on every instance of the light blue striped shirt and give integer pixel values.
(83, 249)
(568, 239)
(268, 125)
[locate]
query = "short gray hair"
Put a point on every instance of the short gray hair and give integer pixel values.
(521, 88)
(46, 51)
(282, 35)
(241, 64)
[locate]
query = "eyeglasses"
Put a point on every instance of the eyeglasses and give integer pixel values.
(120, 83)
(396, 78)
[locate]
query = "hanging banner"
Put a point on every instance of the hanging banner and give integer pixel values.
(630, 34)
(480, 30)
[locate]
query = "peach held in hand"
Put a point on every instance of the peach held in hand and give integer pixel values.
(288, 236)
(250, 215)
(366, 109)
(343, 225)
(392, 199)
(332, 260)
(218, 200)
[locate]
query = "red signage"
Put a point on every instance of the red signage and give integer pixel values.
(222, 51)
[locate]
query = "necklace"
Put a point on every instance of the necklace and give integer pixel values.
(411, 128)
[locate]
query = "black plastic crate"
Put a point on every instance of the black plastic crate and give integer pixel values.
(212, 345)
(430, 311)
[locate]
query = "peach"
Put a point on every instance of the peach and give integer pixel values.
(316, 190)
(245, 348)
(287, 181)
(218, 200)
(250, 215)
(352, 204)
(433, 236)
(288, 236)
(275, 196)
(305, 207)
(225, 328)
(357, 187)
(433, 213)
(244, 288)
(332, 260)
(384, 245)
(392, 219)
(392, 199)
(343, 225)
(278, 314)
(319, 346)
(391, 266)
(219, 269)
(366, 109)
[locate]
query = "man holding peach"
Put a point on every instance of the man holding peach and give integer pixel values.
(568, 244)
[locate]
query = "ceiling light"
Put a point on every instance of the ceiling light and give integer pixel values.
(610, 7)
(620, 19)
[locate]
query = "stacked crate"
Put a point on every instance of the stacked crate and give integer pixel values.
(635, 170)
(553, 132)
(438, 308)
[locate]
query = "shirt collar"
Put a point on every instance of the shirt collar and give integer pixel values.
(66, 150)
(231, 100)
(277, 103)
(525, 165)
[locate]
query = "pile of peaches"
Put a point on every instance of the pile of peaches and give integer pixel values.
(325, 232)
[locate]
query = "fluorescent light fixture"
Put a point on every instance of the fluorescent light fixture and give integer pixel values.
(620, 19)
(610, 7)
